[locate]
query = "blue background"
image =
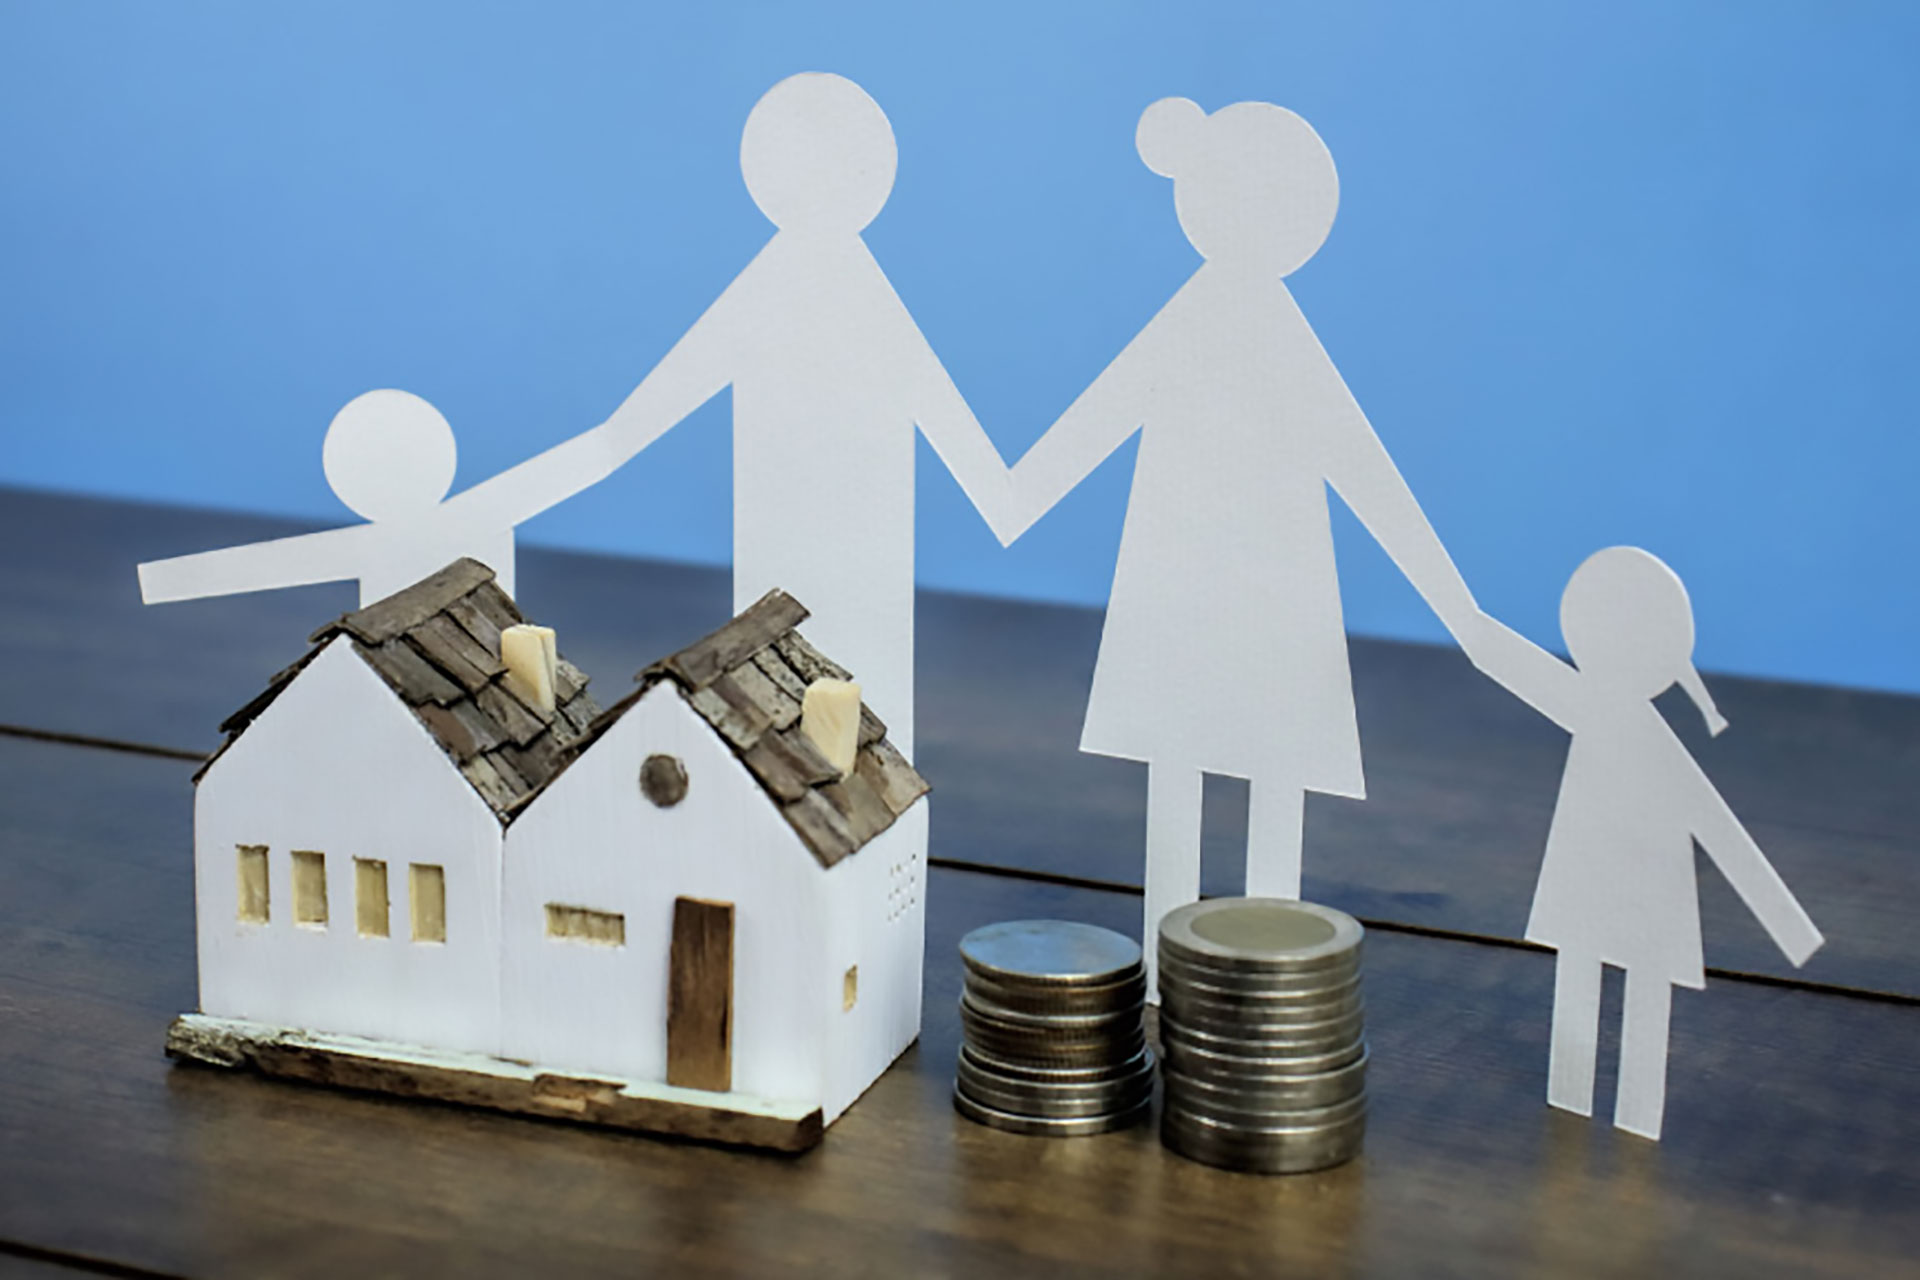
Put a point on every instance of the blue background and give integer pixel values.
(1622, 272)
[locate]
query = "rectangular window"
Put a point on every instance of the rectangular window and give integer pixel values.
(370, 897)
(581, 924)
(253, 883)
(310, 888)
(850, 989)
(427, 900)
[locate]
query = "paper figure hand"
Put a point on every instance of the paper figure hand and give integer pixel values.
(1496, 650)
(1798, 938)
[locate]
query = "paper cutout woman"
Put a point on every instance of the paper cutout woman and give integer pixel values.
(1617, 885)
(1224, 650)
(390, 456)
(830, 375)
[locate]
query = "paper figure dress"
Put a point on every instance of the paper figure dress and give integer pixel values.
(1617, 884)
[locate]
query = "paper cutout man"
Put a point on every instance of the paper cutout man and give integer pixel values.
(830, 375)
(1617, 885)
(1224, 650)
(390, 456)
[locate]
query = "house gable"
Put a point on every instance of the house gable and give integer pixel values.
(746, 681)
(338, 773)
(338, 712)
(595, 842)
(436, 647)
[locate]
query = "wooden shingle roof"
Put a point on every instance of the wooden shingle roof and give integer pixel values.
(747, 680)
(437, 646)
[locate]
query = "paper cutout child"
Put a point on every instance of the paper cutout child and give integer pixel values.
(390, 456)
(1224, 649)
(830, 375)
(1617, 885)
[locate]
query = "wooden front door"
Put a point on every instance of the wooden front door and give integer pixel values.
(700, 996)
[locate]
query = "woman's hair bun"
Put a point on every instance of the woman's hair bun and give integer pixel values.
(1167, 133)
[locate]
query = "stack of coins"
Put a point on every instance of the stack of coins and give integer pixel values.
(1262, 1035)
(1053, 1039)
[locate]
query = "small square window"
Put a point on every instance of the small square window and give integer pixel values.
(427, 901)
(583, 924)
(310, 888)
(252, 873)
(370, 897)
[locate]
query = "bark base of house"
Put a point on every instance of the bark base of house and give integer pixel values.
(352, 1062)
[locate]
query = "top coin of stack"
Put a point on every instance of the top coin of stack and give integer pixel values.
(1262, 1027)
(1053, 1040)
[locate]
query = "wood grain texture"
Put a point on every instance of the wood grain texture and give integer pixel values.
(700, 996)
(475, 1081)
(1789, 1151)
(1461, 777)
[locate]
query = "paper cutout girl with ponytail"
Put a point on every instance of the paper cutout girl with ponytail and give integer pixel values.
(1617, 885)
(1224, 649)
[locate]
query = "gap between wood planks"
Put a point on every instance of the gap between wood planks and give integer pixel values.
(80, 1261)
(1088, 882)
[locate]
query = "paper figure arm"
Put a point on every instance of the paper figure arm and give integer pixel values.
(1523, 668)
(327, 556)
(1362, 473)
(1740, 860)
(693, 372)
(962, 444)
(1094, 425)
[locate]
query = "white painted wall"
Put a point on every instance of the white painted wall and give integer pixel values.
(879, 909)
(337, 764)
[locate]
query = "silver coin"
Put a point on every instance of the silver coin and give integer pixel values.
(1051, 952)
(1238, 989)
(1324, 1123)
(1305, 1155)
(1049, 1106)
(1286, 1125)
(1043, 1038)
(1272, 982)
(1323, 1038)
(1315, 1090)
(1008, 1069)
(968, 1067)
(1129, 992)
(1227, 1069)
(1082, 1024)
(1273, 935)
(1075, 1127)
(1227, 1036)
(1303, 1021)
(1258, 999)
(1043, 1052)
(1049, 1102)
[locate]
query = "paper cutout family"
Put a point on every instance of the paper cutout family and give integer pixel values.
(1244, 421)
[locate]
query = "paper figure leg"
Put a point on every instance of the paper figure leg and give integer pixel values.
(1576, 1034)
(1173, 854)
(1276, 819)
(1642, 1099)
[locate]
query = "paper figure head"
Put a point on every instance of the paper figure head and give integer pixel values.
(1253, 184)
(389, 454)
(1628, 622)
(818, 154)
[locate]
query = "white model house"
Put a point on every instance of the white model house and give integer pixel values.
(713, 885)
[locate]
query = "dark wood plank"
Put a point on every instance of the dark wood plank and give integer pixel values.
(700, 996)
(1791, 1124)
(1461, 777)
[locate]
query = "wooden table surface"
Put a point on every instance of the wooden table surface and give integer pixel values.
(1793, 1124)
